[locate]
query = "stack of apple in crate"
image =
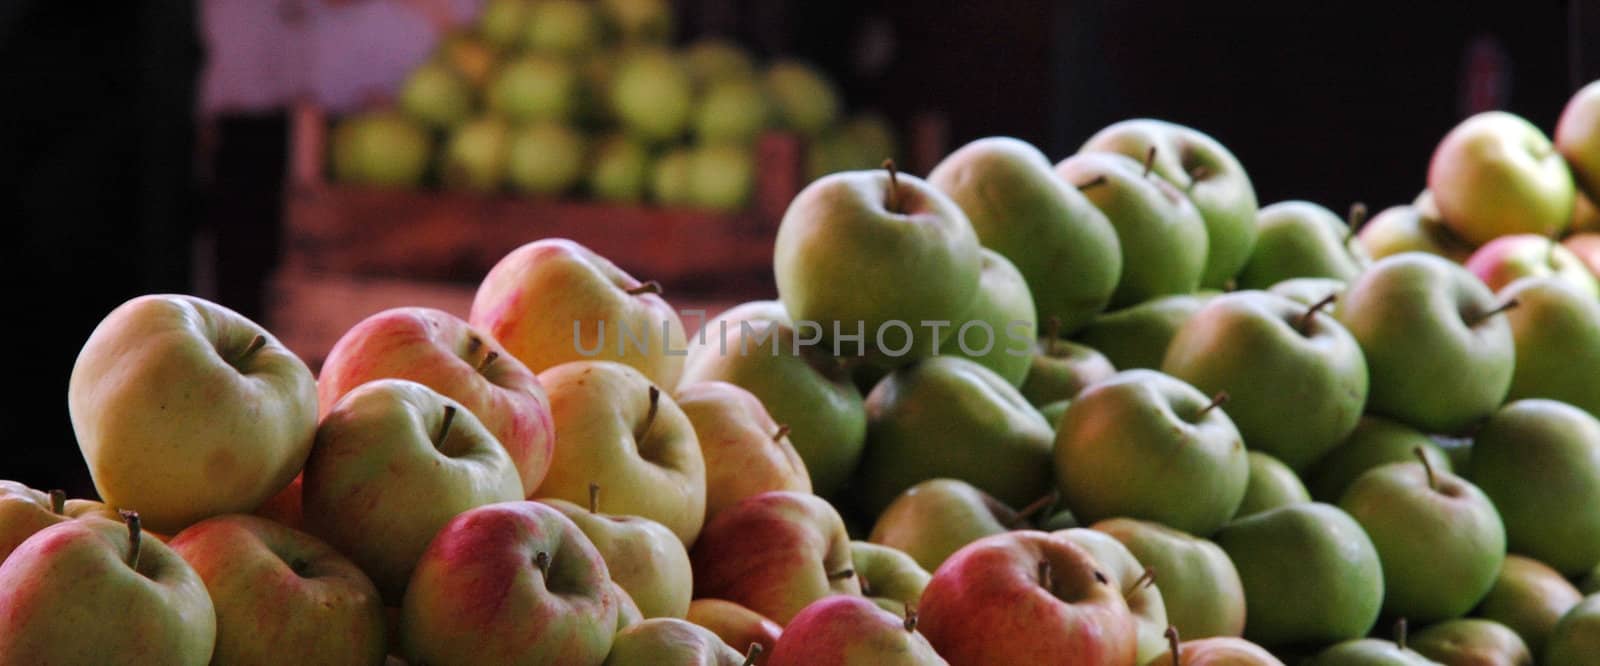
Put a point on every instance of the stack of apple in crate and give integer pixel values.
(1105, 412)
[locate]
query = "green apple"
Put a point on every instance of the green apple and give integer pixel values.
(545, 158)
(1215, 651)
(435, 95)
(1053, 412)
(24, 511)
(1310, 574)
(1577, 137)
(775, 553)
(1509, 258)
(850, 631)
(639, 21)
(393, 462)
(552, 301)
(1272, 484)
(532, 88)
(755, 346)
(1061, 369)
(1145, 445)
(185, 409)
(746, 452)
(999, 330)
(643, 557)
(1439, 538)
(1375, 441)
(1138, 584)
(950, 417)
(1302, 239)
(1530, 598)
(907, 252)
(1576, 639)
(1539, 460)
(652, 94)
(671, 177)
(1438, 352)
(1160, 233)
(1021, 210)
(1200, 588)
(1309, 291)
(502, 21)
(1370, 652)
(617, 429)
(381, 148)
(1207, 173)
(475, 155)
(94, 591)
(670, 641)
(562, 27)
(937, 517)
(735, 624)
(1275, 358)
(804, 100)
(890, 578)
(1471, 642)
(553, 599)
(722, 176)
(712, 60)
(1410, 228)
(1138, 336)
(620, 169)
(1557, 333)
(731, 111)
(1496, 174)
(281, 595)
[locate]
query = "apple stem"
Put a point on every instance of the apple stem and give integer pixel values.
(132, 519)
(444, 428)
(474, 343)
(1356, 218)
(1149, 161)
(1304, 325)
(647, 287)
(1195, 176)
(1400, 631)
(842, 574)
(894, 186)
(1217, 400)
(1145, 580)
(256, 344)
(1052, 330)
(649, 416)
(911, 617)
(751, 653)
(1422, 455)
(1034, 508)
(594, 497)
(1097, 181)
(58, 501)
(783, 431)
(1509, 304)
(1175, 644)
(487, 359)
(1044, 575)
(542, 560)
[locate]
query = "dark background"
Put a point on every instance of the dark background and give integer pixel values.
(104, 190)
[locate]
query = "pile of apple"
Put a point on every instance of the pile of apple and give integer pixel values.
(1101, 412)
(560, 96)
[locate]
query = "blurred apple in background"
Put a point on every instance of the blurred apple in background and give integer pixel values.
(1496, 174)
(475, 155)
(544, 158)
(639, 21)
(721, 176)
(620, 169)
(803, 100)
(533, 88)
(1577, 137)
(436, 95)
(383, 148)
(562, 27)
(731, 111)
(652, 94)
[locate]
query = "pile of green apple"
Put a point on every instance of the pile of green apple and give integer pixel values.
(1202, 432)
(588, 97)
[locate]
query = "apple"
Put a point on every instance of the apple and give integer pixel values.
(756, 347)
(1530, 598)
(850, 631)
(1145, 445)
(394, 461)
(1577, 137)
(1021, 210)
(1410, 228)
(620, 169)
(746, 452)
(1333, 590)
(1303, 239)
(1309, 291)
(670, 641)
(1364, 651)
(722, 176)
(1136, 582)
(185, 409)
(802, 98)
(1061, 369)
(1375, 441)
(554, 601)
(652, 94)
(1586, 247)
(774, 553)
(1199, 586)
(1138, 336)
(905, 250)
(1556, 329)
(1053, 412)
(24, 511)
(501, 22)
(999, 330)
(731, 110)
(287, 507)
(713, 59)
(562, 27)
(670, 179)
(553, 300)
(444, 353)
(1272, 484)
(1539, 460)
(1438, 353)
(1207, 173)
(95, 591)
(533, 88)
(281, 595)
(1026, 597)
(735, 624)
(950, 417)
(937, 517)
(1439, 539)
(469, 55)
(1214, 651)
(380, 149)
(545, 158)
(435, 95)
(1273, 358)
(1161, 234)
(1576, 639)
(617, 430)
(873, 137)
(1507, 258)
(1471, 642)
(888, 577)
(1496, 174)
(644, 557)
(639, 21)
(475, 155)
